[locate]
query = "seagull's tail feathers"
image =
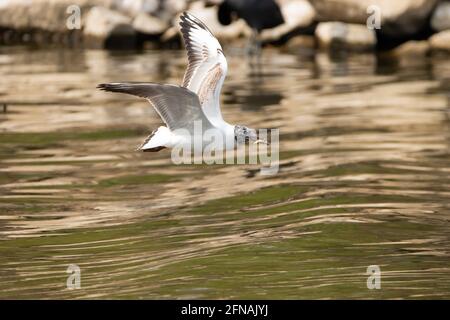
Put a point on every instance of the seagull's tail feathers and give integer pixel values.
(159, 139)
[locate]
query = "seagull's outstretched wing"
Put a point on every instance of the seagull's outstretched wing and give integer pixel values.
(178, 107)
(207, 66)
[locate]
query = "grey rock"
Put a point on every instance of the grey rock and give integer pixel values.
(440, 41)
(174, 6)
(171, 8)
(134, 7)
(345, 36)
(411, 49)
(398, 18)
(46, 15)
(208, 15)
(296, 13)
(105, 28)
(441, 17)
(148, 24)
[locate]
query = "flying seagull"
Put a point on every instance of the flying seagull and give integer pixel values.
(196, 101)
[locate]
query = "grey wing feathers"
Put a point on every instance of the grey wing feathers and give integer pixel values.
(178, 107)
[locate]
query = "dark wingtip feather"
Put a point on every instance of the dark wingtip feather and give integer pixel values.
(185, 16)
(188, 20)
(113, 87)
(104, 86)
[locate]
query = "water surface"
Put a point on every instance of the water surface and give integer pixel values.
(364, 180)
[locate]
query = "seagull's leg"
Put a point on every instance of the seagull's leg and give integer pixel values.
(258, 55)
(252, 45)
(257, 43)
(255, 54)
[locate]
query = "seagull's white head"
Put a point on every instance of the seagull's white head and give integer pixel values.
(244, 134)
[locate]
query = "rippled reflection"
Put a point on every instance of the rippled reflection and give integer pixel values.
(364, 180)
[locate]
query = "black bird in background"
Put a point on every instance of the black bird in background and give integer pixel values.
(258, 14)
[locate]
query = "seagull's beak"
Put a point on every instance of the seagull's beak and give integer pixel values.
(255, 138)
(261, 141)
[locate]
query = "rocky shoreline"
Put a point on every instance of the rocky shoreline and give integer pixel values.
(406, 27)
